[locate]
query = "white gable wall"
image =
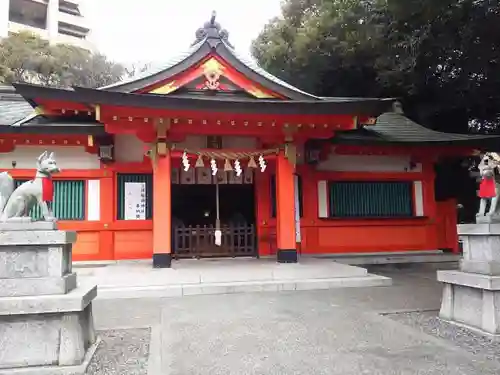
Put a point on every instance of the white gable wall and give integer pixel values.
(129, 148)
(67, 157)
(228, 142)
(368, 163)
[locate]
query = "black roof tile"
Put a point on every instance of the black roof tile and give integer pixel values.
(212, 38)
(13, 107)
(394, 127)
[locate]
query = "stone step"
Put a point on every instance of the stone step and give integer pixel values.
(433, 256)
(168, 290)
(395, 258)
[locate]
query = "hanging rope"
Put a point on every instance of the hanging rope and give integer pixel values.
(229, 155)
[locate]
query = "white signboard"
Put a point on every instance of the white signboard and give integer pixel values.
(135, 201)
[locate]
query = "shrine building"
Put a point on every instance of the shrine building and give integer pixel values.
(153, 167)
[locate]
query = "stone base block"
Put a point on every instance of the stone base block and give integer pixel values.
(472, 280)
(57, 370)
(287, 256)
(479, 229)
(23, 225)
(36, 268)
(20, 220)
(480, 242)
(36, 237)
(162, 260)
(481, 267)
(471, 300)
(487, 219)
(37, 286)
(34, 261)
(40, 331)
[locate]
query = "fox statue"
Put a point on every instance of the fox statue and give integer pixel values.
(15, 204)
(489, 188)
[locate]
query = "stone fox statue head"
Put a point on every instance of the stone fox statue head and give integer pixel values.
(46, 164)
(489, 165)
(39, 191)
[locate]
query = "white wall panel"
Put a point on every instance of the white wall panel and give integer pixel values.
(67, 157)
(93, 200)
(322, 199)
(368, 163)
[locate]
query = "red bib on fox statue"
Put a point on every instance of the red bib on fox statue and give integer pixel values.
(487, 188)
(47, 189)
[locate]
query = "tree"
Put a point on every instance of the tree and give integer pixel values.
(314, 39)
(25, 57)
(445, 55)
(440, 57)
(20, 54)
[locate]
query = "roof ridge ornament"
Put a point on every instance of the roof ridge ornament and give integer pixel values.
(397, 107)
(212, 32)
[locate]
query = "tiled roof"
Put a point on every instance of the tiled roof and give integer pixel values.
(253, 65)
(12, 106)
(399, 128)
(212, 38)
(394, 127)
(391, 127)
(158, 68)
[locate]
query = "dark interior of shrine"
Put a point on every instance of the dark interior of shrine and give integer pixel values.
(196, 204)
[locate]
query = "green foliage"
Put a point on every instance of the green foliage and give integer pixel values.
(441, 57)
(25, 57)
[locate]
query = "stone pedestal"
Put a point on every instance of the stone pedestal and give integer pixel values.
(471, 295)
(46, 323)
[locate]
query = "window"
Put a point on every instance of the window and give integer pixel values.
(28, 13)
(273, 194)
(370, 199)
(147, 179)
(69, 200)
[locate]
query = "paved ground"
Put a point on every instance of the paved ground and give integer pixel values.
(338, 331)
(464, 338)
(122, 352)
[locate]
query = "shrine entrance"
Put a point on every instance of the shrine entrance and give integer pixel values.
(195, 211)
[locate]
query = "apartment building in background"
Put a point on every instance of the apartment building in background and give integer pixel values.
(59, 21)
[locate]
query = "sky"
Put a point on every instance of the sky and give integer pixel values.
(129, 31)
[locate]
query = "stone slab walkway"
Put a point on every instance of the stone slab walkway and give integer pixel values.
(334, 331)
(294, 334)
(195, 277)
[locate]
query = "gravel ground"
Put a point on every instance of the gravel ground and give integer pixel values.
(121, 352)
(468, 340)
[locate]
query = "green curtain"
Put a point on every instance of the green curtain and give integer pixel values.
(371, 199)
(69, 200)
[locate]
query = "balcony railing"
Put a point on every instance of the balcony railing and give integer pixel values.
(78, 21)
(15, 27)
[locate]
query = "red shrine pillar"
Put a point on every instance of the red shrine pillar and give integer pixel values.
(285, 210)
(162, 211)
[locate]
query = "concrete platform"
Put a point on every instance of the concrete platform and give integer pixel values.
(431, 256)
(222, 276)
